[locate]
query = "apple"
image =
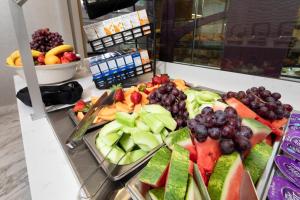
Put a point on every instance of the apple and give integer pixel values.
(41, 59)
(70, 56)
(63, 60)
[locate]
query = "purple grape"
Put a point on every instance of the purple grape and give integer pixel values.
(186, 114)
(241, 94)
(288, 107)
(220, 118)
(182, 105)
(207, 110)
(228, 132)
(227, 146)
(245, 131)
(234, 122)
(175, 92)
(182, 96)
(261, 88)
(201, 132)
(210, 120)
(242, 143)
(230, 111)
(214, 133)
(175, 109)
(162, 89)
(276, 95)
(245, 101)
(270, 99)
(192, 123)
(200, 118)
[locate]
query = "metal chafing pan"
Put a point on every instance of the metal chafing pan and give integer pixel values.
(115, 172)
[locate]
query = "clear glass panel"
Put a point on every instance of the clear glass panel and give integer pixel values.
(250, 36)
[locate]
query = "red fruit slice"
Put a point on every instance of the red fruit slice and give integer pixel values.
(191, 168)
(242, 110)
(279, 123)
(193, 153)
(208, 153)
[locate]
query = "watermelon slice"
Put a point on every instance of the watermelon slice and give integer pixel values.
(260, 131)
(157, 193)
(178, 174)
(182, 137)
(155, 172)
(224, 183)
(257, 160)
(208, 153)
(242, 110)
(193, 192)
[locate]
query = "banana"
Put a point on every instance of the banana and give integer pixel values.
(16, 54)
(60, 49)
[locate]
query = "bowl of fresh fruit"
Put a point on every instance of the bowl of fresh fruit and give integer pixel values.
(54, 61)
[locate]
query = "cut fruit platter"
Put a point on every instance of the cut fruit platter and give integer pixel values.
(199, 143)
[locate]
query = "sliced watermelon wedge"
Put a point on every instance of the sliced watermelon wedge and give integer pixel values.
(225, 182)
(208, 153)
(260, 131)
(155, 172)
(182, 137)
(242, 110)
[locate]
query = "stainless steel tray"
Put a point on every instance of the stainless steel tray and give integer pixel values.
(115, 172)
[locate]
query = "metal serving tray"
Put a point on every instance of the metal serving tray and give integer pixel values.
(115, 172)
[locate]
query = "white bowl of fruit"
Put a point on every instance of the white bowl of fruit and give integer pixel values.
(54, 61)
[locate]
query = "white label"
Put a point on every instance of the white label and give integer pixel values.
(143, 17)
(112, 64)
(95, 69)
(128, 59)
(134, 19)
(120, 62)
(137, 61)
(103, 66)
(126, 22)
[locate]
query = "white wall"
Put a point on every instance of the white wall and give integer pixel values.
(38, 14)
(226, 81)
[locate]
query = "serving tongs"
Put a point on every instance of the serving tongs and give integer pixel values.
(80, 130)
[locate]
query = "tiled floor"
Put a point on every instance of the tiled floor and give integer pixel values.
(13, 173)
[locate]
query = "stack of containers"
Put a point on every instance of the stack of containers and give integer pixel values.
(114, 67)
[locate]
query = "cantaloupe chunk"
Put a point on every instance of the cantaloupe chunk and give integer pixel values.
(122, 107)
(108, 117)
(137, 108)
(80, 115)
(108, 110)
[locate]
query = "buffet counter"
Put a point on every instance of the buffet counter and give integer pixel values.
(50, 172)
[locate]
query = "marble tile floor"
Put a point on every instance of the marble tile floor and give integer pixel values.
(13, 173)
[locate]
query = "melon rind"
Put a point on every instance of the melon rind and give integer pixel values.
(218, 185)
(257, 160)
(156, 167)
(176, 185)
(256, 126)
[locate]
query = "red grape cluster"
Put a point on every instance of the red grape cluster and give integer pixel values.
(173, 100)
(43, 40)
(224, 126)
(263, 102)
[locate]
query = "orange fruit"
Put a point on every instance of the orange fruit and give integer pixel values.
(52, 59)
(18, 62)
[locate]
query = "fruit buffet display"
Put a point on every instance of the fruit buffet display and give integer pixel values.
(205, 137)
(47, 48)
